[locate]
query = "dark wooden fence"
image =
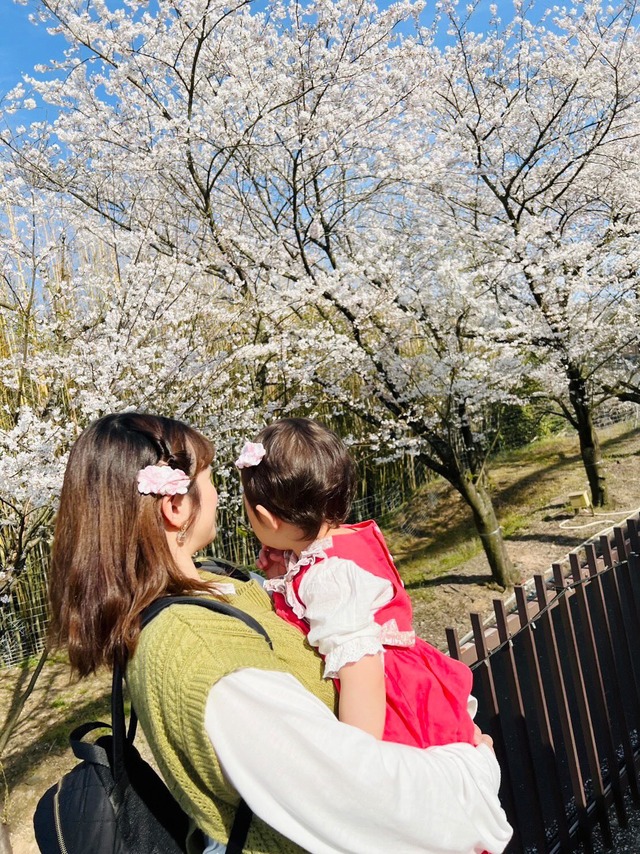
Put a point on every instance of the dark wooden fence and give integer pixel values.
(558, 686)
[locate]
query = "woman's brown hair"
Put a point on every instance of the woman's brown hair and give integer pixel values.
(110, 553)
(306, 477)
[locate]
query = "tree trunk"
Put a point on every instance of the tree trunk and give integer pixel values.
(467, 478)
(488, 527)
(589, 443)
(5, 841)
(6, 731)
(17, 704)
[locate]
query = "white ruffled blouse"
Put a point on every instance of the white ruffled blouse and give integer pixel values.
(340, 600)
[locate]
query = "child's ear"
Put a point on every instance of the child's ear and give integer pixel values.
(267, 518)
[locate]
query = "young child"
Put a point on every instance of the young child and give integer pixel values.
(339, 585)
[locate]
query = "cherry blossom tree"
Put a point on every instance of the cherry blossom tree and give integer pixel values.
(540, 125)
(270, 149)
(314, 212)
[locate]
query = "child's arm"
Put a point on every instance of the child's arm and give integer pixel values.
(362, 694)
(340, 600)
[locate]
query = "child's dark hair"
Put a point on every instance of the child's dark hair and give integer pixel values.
(306, 477)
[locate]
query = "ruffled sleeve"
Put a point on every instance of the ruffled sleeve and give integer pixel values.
(340, 600)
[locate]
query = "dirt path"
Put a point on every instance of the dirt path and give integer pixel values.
(38, 753)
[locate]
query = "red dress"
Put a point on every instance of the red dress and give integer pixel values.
(427, 692)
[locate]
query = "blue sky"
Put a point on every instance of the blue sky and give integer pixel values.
(22, 45)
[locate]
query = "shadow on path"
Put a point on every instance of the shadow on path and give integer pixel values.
(54, 739)
(448, 579)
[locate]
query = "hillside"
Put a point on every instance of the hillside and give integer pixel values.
(443, 564)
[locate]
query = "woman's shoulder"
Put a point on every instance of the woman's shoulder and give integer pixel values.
(183, 624)
(187, 640)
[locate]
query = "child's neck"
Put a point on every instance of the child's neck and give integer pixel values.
(325, 530)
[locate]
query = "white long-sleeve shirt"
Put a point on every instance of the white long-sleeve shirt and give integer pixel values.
(334, 789)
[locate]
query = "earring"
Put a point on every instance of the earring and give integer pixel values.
(182, 534)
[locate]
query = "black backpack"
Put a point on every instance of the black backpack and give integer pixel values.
(113, 802)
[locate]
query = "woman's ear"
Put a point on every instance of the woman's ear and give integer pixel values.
(267, 518)
(174, 509)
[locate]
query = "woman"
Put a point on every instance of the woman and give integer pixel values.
(225, 715)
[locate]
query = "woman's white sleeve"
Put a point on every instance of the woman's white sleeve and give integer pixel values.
(334, 789)
(340, 600)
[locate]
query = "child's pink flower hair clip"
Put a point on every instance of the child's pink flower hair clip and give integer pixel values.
(250, 455)
(162, 480)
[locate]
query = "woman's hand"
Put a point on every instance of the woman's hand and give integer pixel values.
(271, 562)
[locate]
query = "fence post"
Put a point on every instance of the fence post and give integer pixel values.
(584, 712)
(568, 736)
(607, 555)
(453, 643)
(541, 708)
(597, 694)
(532, 798)
(485, 680)
(634, 537)
(619, 672)
(621, 544)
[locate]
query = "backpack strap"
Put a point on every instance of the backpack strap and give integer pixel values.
(242, 821)
(159, 605)
(222, 567)
(86, 751)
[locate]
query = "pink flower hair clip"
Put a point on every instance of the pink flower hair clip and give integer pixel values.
(162, 480)
(250, 455)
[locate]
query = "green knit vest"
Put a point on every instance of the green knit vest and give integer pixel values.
(180, 656)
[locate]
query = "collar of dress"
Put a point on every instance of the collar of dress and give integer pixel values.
(284, 583)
